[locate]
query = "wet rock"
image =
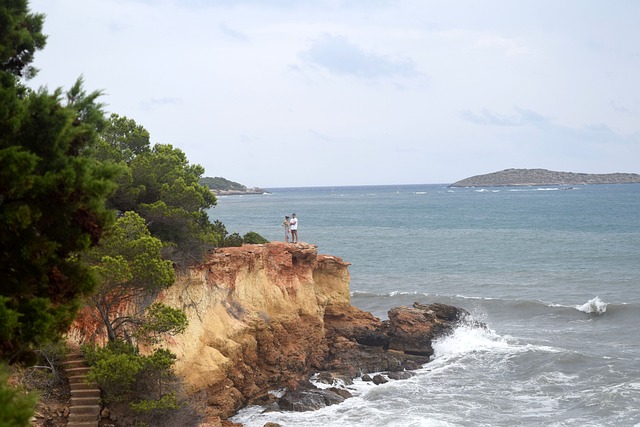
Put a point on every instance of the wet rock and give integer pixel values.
(345, 394)
(308, 400)
(404, 375)
(379, 379)
(412, 329)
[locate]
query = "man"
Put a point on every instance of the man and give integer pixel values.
(294, 228)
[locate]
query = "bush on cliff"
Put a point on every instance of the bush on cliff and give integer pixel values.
(130, 267)
(140, 388)
(254, 238)
(231, 240)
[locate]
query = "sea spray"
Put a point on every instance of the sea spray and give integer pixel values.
(593, 306)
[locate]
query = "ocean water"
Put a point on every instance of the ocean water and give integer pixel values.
(554, 273)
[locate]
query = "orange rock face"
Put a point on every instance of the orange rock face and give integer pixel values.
(256, 319)
(263, 317)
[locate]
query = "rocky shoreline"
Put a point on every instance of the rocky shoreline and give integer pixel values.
(248, 191)
(269, 317)
(529, 177)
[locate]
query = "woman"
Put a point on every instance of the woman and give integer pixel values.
(287, 228)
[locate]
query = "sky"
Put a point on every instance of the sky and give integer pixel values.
(286, 93)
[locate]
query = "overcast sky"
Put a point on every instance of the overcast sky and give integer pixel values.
(279, 93)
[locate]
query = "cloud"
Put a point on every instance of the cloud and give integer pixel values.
(341, 57)
(484, 40)
(622, 109)
(284, 4)
(521, 117)
(486, 117)
(320, 135)
(232, 34)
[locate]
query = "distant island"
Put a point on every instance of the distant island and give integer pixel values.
(525, 177)
(223, 187)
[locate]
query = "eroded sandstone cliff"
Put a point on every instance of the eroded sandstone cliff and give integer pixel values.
(256, 319)
(264, 317)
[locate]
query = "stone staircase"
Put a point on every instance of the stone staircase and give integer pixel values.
(84, 410)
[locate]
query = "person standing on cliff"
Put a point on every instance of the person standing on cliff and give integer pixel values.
(287, 228)
(294, 228)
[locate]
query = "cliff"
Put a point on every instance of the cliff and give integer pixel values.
(265, 317)
(524, 177)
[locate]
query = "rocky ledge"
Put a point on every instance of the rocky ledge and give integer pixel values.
(525, 177)
(267, 317)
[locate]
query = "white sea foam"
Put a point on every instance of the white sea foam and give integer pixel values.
(467, 339)
(594, 305)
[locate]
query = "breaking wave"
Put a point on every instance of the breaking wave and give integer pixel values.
(593, 306)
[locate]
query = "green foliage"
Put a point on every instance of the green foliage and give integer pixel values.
(16, 406)
(219, 183)
(162, 187)
(122, 139)
(254, 238)
(161, 319)
(225, 239)
(52, 206)
(115, 368)
(228, 240)
(124, 375)
(166, 402)
(129, 263)
(20, 37)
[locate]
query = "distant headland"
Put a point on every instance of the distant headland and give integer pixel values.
(525, 177)
(223, 187)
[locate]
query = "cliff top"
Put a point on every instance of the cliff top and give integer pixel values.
(525, 177)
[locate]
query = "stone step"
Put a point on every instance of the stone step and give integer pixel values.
(84, 408)
(93, 410)
(74, 356)
(88, 392)
(74, 363)
(80, 386)
(80, 370)
(82, 418)
(77, 379)
(85, 401)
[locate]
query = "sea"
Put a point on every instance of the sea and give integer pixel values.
(553, 272)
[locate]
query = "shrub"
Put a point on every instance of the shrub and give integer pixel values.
(254, 238)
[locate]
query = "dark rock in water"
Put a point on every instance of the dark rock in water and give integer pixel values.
(341, 392)
(308, 400)
(330, 378)
(379, 379)
(442, 311)
(325, 377)
(361, 343)
(411, 365)
(371, 338)
(404, 375)
(411, 329)
(367, 378)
